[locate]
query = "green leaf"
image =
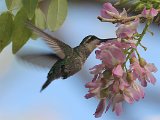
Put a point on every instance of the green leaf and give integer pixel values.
(6, 24)
(30, 6)
(57, 13)
(12, 4)
(40, 19)
(20, 33)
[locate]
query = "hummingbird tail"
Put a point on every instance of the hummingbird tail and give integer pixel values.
(51, 78)
(53, 74)
(45, 85)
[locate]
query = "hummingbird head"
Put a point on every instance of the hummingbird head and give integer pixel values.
(89, 39)
(90, 42)
(93, 40)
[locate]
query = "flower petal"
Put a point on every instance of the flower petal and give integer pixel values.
(118, 108)
(153, 12)
(100, 108)
(108, 6)
(89, 95)
(118, 71)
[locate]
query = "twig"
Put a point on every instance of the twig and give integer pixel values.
(120, 20)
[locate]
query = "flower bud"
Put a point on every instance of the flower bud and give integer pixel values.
(142, 62)
(132, 60)
(130, 77)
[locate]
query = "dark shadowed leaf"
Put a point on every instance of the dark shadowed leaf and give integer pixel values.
(40, 19)
(6, 24)
(57, 13)
(13, 4)
(30, 6)
(21, 33)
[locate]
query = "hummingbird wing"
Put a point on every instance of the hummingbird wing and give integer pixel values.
(39, 60)
(37, 57)
(58, 46)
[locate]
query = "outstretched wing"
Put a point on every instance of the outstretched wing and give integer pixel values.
(58, 46)
(37, 57)
(39, 60)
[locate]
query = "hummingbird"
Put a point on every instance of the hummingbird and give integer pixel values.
(69, 60)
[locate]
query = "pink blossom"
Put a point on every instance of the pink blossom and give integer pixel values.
(139, 89)
(149, 13)
(89, 95)
(118, 108)
(94, 87)
(100, 108)
(127, 30)
(110, 54)
(108, 8)
(113, 82)
(138, 71)
(117, 104)
(149, 68)
(128, 97)
(97, 69)
(118, 71)
(109, 12)
(143, 73)
(133, 93)
(123, 84)
(115, 87)
(115, 90)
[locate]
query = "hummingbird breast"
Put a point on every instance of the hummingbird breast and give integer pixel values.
(72, 64)
(66, 67)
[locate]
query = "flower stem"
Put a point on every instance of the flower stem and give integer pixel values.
(120, 20)
(140, 38)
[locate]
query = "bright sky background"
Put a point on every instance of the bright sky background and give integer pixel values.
(20, 83)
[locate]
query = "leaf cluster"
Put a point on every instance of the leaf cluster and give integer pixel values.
(43, 13)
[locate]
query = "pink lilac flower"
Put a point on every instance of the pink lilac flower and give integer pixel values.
(139, 89)
(117, 103)
(107, 7)
(118, 108)
(127, 30)
(133, 93)
(118, 71)
(113, 83)
(115, 91)
(115, 88)
(110, 54)
(97, 69)
(149, 13)
(100, 109)
(149, 68)
(143, 73)
(94, 89)
(110, 12)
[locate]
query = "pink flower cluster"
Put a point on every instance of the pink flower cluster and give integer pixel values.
(113, 82)
(149, 13)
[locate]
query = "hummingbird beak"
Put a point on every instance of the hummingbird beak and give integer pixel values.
(105, 40)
